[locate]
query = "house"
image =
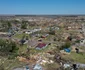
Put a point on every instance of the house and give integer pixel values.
(33, 31)
(41, 45)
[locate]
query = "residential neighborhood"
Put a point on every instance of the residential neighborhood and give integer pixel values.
(42, 43)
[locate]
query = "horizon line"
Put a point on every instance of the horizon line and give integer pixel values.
(41, 14)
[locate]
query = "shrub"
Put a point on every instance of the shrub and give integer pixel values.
(66, 45)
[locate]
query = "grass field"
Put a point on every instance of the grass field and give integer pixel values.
(75, 57)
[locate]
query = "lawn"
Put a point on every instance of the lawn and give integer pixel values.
(75, 57)
(22, 49)
(19, 36)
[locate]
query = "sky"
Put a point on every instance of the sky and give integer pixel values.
(42, 7)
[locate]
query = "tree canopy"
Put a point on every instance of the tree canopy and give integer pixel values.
(7, 46)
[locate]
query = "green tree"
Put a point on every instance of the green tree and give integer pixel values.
(66, 45)
(24, 25)
(6, 25)
(9, 25)
(7, 46)
(52, 31)
(15, 21)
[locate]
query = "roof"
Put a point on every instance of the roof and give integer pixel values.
(41, 45)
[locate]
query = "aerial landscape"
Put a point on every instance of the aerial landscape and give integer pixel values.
(46, 39)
